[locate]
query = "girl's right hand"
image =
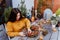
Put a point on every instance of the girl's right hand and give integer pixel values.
(21, 34)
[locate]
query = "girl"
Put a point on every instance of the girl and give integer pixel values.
(16, 23)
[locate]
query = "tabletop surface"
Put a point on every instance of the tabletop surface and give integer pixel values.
(50, 36)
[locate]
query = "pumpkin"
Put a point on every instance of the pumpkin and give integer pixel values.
(32, 19)
(41, 38)
(44, 32)
(54, 29)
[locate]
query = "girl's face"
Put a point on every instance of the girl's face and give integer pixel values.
(18, 16)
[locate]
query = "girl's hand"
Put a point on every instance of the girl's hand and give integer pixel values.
(29, 30)
(21, 34)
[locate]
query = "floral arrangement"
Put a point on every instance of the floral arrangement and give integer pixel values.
(55, 19)
(44, 32)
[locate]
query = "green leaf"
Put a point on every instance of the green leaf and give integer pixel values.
(7, 13)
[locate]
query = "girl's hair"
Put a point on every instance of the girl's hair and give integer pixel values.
(13, 14)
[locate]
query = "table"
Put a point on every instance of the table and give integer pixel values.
(50, 36)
